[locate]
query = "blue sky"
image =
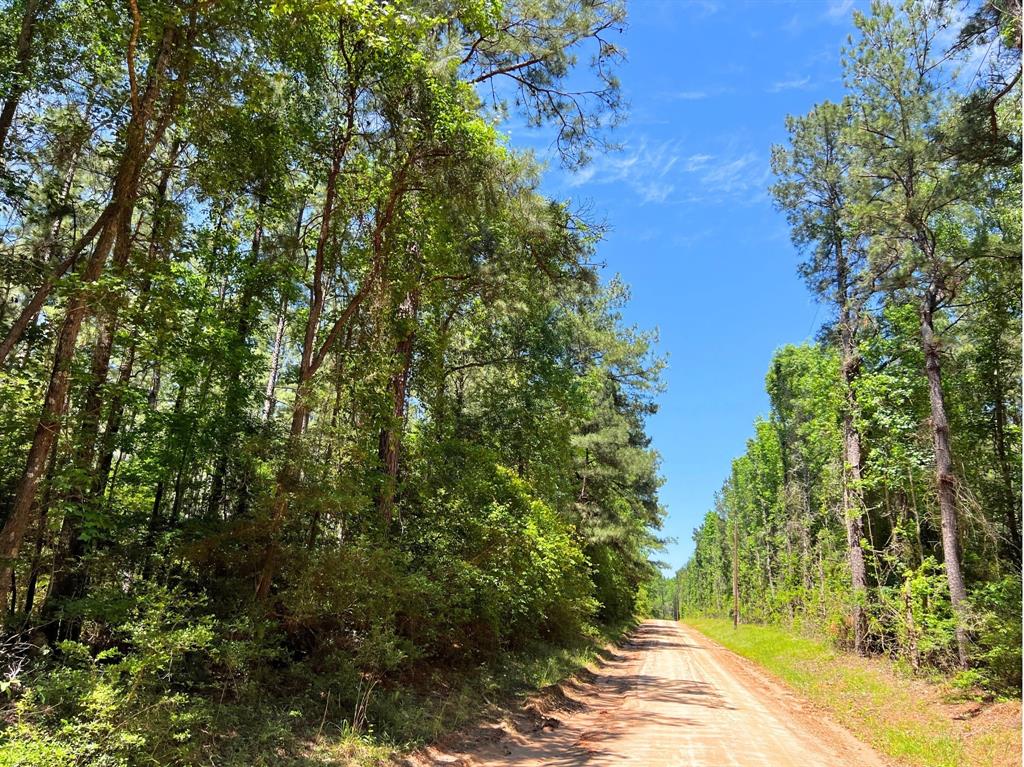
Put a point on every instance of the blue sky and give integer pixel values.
(693, 230)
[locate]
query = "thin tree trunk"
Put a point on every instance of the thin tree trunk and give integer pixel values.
(49, 422)
(853, 513)
(735, 574)
(287, 473)
(115, 415)
(234, 405)
(125, 190)
(22, 63)
(37, 554)
(1011, 503)
(269, 396)
(389, 447)
(69, 578)
(156, 512)
(314, 522)
(945, 478)
(854, 528)
(313, 357)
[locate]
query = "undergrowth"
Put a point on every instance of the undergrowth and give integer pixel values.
(297, 716)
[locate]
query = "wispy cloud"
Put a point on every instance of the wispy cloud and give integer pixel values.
(794, 84)
(666, 173)
(837, 10)
(735, 175)
(687, 95)
(697, 161)
(654, 191)
(703, 8)
(642, 165)
(696, 94)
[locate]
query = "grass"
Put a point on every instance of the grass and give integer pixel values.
(909, 720)
(406, 717)
(301, 717)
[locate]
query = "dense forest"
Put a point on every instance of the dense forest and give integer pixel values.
(304, 385)
(879, 500)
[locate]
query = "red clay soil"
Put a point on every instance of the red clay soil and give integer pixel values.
(668, 697)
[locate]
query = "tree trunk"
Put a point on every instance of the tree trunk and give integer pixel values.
(235, 402)
(49, 421)
(389, 446)
(946, 480)
(853, 514)
(854, 526)
(269, 396)
(1011, 503)
(285, 479)
(37, 554)
(69, 578)
(735, 574)
(156, 511)
(138, 147)
(313, 356)
(22, 62)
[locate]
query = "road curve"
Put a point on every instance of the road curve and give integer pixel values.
(670, 697)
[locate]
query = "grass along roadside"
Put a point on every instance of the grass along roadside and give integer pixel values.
(450, 701)
(310, 719)
(912, 721)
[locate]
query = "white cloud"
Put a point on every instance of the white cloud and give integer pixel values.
(688, 95)
(703, 8)
(697, 161)
(795, 84)
(639, 164)
(838, 9)
(663, 173)
(654, 191)
(734, 175)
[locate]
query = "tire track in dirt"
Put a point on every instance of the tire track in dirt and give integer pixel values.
(669, 697)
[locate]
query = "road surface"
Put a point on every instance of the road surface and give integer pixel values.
(668, 698)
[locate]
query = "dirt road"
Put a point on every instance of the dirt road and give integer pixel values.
(668, 697)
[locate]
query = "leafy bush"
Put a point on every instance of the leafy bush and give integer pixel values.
(996, 608)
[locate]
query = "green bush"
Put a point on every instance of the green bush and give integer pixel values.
(996, 610)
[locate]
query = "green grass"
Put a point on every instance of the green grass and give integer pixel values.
(868, 697)
(306, 721)
(404, 718)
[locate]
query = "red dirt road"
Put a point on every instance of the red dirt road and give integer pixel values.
(668, 698)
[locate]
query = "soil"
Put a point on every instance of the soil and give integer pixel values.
(668, 696)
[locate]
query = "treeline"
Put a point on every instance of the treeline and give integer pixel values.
(880, 498)
(302, 381)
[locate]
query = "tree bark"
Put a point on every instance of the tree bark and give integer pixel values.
(853, 514)
(138, 146)
(313, 357)
(390, 443)
(68, 579)
(235, 401)
(286, 474)
(22, 63)
(1011, 502)
(37, 554)
(735, 574)
(945, 477)
(270, 395)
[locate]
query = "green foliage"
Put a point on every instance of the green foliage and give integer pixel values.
(859, 512)
(347, 406)
(997, 613)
